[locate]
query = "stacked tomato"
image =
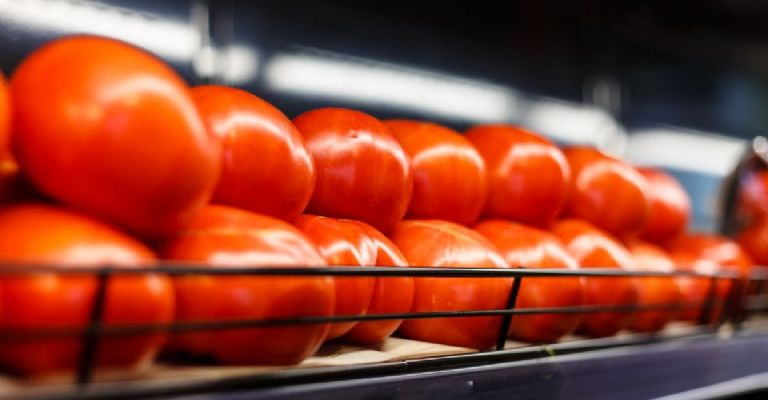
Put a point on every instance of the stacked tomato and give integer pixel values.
(109, 158)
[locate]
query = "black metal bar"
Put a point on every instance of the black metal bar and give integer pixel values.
(415, 272)
(734, 310)
(506, 321)
(707, 306)
(92, 334)
(135, 329)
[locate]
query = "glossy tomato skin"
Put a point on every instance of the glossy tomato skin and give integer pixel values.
(653, 290)
(5, 116)
(528, 176)
(449, 177)
(266, 167)
(47, 235)
(592, 247)
(435, 243)
(528, 247)
(226, 237)
(670, 206)
(362, 171)
(606, 192)
(107, 128)
(709, 254)
(346, 242)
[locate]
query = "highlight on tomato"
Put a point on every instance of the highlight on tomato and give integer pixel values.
(708, 254)
(344, 242)
(36, 235)
(529, 247)
(670, 206)
(226, 237)
(449, 176)
(107, 128)
(594, 248)
(528, 176)
(653, 291)
(606, 192)
(362, 171)
(435, 243)
(265, 165)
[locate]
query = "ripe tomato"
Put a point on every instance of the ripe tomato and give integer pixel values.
(528, 176)
(524, 246)
(707, 253)
(435, 243)
(670, 206)
(47, 235)
(5, 116)
(346, 242)
(449, 178)
(594, 248)
(754, 240)
(226, 237)
(14, 188)
(653, 290)
(606, 192)
(259, 144)
(105, 127)
(362, 172)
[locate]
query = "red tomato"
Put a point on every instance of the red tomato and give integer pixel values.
(653, 290)
(434, 243)
(108, 128)
(46, 235)
(449, 179)
(346, 242)
(5, 116)
(266, 167)
(362, 172)
(606, 192)
(14, 188)
(754, 240)
(528, 176)
(226, 237)
(523, 246)
(670, 206)
(707, 253)
(594, 248)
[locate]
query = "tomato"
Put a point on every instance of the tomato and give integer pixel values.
(435, 243)
(594, 248)
(107, 128)
(754, 240)
(266, 167)
(528, 176)
(653, 290)
(348, 243)
(449, 178)
(362, 172)
(606, 192)
(712, 254)
(46, 235)
(14, 188)
(528, 247)
(670, 206)
(226, 237)
(5, 116)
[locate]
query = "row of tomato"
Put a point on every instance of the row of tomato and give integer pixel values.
(120, 162)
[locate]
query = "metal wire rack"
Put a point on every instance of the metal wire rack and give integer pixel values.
(736, 307)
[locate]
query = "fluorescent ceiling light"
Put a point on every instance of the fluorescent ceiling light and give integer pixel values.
(689, 150)
(364, 81)
(174, 40)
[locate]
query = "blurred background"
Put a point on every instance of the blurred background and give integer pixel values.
(680, 85)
